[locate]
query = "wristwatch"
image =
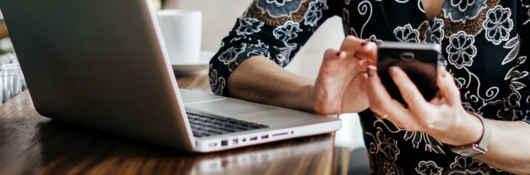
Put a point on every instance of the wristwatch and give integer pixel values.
(476, 148)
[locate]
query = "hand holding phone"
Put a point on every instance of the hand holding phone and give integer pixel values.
(419, 61)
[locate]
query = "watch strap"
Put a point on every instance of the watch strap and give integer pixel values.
(486, 133)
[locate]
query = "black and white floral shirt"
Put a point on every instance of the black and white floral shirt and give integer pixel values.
(485, 43)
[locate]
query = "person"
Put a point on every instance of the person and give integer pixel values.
(484, 75)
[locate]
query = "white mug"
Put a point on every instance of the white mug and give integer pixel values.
(181, 30)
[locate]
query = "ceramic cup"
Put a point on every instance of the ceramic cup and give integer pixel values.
(181, 30)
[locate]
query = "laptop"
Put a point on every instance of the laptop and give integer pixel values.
(103, 64)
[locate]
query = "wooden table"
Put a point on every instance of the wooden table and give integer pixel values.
(33, 144)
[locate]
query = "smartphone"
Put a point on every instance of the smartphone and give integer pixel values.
(419, 61)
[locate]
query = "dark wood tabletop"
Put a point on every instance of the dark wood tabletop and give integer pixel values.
(33, 144)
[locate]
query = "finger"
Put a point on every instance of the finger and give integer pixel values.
(350, 43)
(368, 51)
(447, 86)
(333, 54)
(407, 88)
(380, 101)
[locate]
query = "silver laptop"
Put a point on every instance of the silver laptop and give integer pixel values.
(103, 64)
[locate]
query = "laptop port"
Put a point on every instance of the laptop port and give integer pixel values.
(224, 143)
(243, 140)
(280, 134)
(254, 138)
(234, 142)
(214, 144)
(265, 137)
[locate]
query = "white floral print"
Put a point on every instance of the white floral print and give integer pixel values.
(374, 39)
(231, 54)
(428, 168)
(437, 30)
(462, 4)
(498, 24)
(314, 12)
(407, 34)
(420, 6)
(262, 44)
(364, 7)
(284, 56)
(465, 162)
(514, 74)
(514, 45)
(402, 1)
(287, 31)
(386, 146)
(431, 144)
(278, 3)
(263, 53)
(249, 26)
(278, 8)
(527, 18)
(468, 107)
(513, 99)
(461, 50)
(217, 83)
(460, 10)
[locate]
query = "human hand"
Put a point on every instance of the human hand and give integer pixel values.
(443, 117)
(417, 71)
(341, 83)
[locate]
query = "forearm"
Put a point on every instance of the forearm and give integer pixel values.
(509, 148)
(260, 80)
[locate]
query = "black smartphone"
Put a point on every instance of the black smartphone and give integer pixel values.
(419, 61)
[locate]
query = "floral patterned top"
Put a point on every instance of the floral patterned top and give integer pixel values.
(481, 41)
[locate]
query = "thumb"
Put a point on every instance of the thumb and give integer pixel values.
(446, 84)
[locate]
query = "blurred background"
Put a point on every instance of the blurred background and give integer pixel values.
(12, 81)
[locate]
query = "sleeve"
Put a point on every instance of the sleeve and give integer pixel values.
(275, 29)
(517, 101)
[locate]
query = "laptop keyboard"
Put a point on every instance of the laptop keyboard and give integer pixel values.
(204, 125)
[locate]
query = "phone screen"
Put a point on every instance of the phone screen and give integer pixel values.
(419, 64)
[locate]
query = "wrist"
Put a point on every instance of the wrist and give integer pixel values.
(471, 130)
(307, 99)
(317, 102)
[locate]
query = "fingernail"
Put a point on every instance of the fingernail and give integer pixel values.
(444, 71)
(393, 70)
(364, 44)
(369, 71)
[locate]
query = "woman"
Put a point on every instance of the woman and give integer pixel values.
(485, 75)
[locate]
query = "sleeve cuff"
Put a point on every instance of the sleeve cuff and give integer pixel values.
(225, 62)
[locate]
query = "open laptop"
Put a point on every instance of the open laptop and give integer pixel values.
(103, 64)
